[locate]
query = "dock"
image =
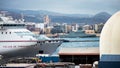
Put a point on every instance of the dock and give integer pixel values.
(40, 65)
(83, 55)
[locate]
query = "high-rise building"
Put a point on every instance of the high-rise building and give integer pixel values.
(69, 28)
(65, 30)
(74, 27)
(46, 19)
(98, 27)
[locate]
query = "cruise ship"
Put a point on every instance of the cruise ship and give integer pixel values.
(17, 41)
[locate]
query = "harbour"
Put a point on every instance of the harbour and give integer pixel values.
(59, 34)
(24, 44)
(56, 60)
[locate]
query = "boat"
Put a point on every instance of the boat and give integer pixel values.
(16, 40)
(77, 34)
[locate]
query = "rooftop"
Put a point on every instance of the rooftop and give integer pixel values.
(80, 51)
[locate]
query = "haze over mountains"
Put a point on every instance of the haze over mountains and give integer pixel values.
(37, 16)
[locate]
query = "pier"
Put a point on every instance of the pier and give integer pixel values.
(40, 65)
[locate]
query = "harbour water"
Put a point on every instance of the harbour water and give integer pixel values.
(78, 44)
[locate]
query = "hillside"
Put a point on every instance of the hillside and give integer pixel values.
(37, 16)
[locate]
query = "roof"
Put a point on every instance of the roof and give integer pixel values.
(80, 51)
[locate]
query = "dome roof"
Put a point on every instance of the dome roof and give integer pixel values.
(110, 36)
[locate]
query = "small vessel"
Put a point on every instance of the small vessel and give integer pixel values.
(78, 34)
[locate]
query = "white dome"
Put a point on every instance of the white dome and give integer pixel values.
(110, 36)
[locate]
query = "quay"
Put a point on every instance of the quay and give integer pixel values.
(83, 57)
(40, 65)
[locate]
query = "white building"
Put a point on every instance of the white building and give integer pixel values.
(65, 29)
(87, 27)
(74, 27)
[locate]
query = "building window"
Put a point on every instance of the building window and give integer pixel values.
(9, 32)
(6, 32)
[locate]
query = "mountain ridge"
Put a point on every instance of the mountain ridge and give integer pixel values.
(37, 16)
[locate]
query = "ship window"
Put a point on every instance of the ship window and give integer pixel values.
(9, 32)
(14, 25)
(6, 32)
(1, 32)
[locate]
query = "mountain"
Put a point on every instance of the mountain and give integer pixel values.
(98, 18)
(101, 17)
(37, 16)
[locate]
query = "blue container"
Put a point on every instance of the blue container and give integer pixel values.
(49, 58)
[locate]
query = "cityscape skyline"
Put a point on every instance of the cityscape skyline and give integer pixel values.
(64, 6)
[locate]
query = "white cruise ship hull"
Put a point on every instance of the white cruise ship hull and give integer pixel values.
(28, 50)
(49, 48)
(19, 49)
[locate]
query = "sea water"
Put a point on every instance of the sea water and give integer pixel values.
(78, 44)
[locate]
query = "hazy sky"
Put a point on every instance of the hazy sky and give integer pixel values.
(64, 6)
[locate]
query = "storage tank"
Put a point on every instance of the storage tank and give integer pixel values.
(110, 36)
